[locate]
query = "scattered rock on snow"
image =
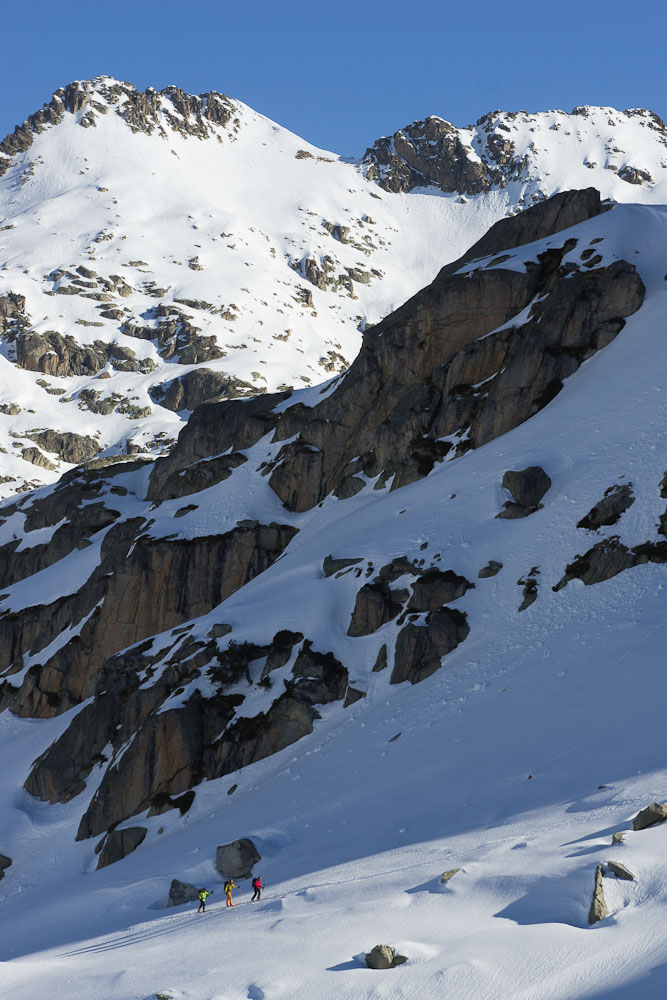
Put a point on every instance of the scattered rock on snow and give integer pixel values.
(382, 956)
(655, 813)
(492, 568)
(331, 565)
(530, 585)
(598, 909)
(615, 502)
(181, 892)
(604, 560)
(236, 860)
(446, 876)
(617, 838)
(620, 871)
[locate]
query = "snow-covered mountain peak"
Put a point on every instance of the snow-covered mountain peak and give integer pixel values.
(536, 150)
(151, 111)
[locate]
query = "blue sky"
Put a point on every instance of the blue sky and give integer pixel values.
(340, 74)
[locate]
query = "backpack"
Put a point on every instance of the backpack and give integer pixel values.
(228, 885)
(257, 883)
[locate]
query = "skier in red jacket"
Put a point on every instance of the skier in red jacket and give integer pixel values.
(257, 885)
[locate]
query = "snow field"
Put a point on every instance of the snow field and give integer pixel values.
(540, 736)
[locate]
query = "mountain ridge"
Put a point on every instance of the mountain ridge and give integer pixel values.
(178, 248)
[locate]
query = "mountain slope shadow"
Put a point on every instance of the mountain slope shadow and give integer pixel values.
(645, 988)
(563, 900)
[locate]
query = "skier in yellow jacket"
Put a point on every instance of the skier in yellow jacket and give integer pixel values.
(229, 885)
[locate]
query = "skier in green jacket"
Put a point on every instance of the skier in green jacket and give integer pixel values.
(203, 893)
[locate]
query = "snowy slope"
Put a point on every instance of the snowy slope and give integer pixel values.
(278, 251)
(540, 736)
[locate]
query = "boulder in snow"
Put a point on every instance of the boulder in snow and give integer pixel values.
(382, 956)
(620, 871)
(655, 813)
(492, 568)
(182, 892)
(236, 860)
(527, 487)
(445, 877)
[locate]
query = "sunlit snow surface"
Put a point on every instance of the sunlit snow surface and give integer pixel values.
(541, 735)
(251, 203)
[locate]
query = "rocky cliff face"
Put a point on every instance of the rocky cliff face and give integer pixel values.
(122, 586)
(483, 348)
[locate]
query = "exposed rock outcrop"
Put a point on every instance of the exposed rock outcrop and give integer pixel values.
(435, 588)
(617, 499)
(55, 354)
(376, 604)
(119, 843)
(197, 387)
(610, 557)
(141, 586)
(420, 648)
(214, 429)
(70, 447)
(598, 908)
(149, 111)
(157, 758)
(428, 152)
